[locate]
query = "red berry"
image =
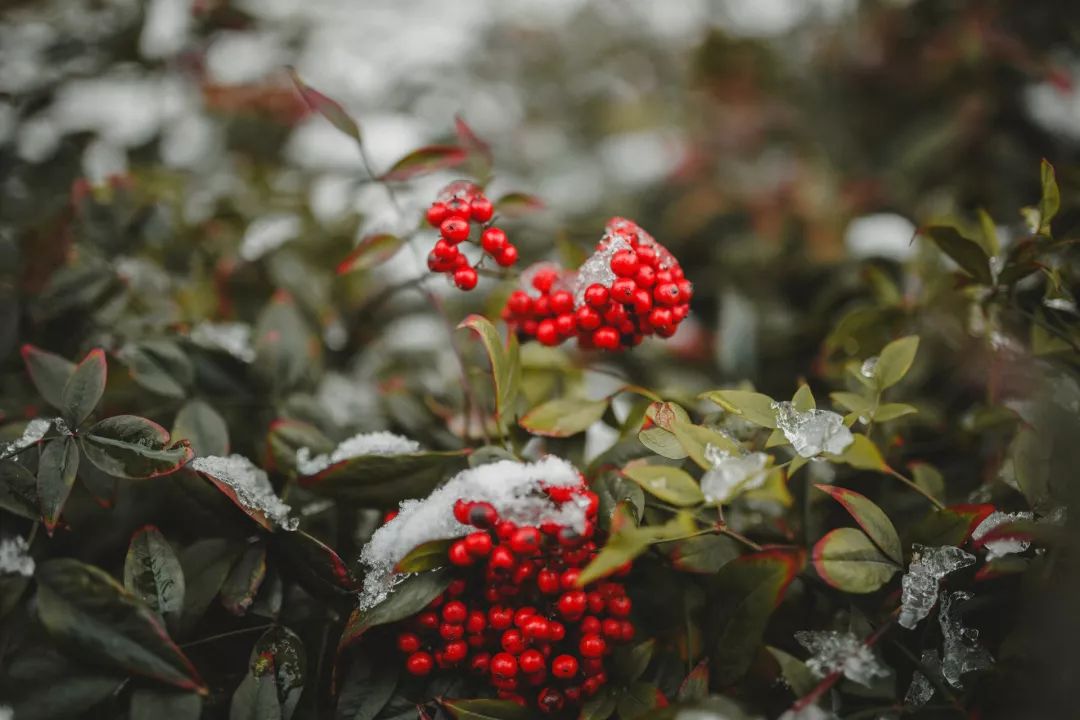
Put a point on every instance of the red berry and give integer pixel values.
(456, 587)
(436, 214)
(622, 290)
(481, 209)
(507, 256)
(455, 612)
(536, 628)
(547, 581)
(482, 515)
(420, 663)
(645, 277)
(612, 629)
(597, 295)
(542, 306)
(455, 652)
(505, 529)
(568, 580)
(512, 641)
(592, 645)
(619, 606)
(624, 263)
(615, 314)
(664, 276)
(500, 619)
(476, 622)
(593, 684)
(504, 665)
(566, 325)
(627, 631)
(479, 663)
(520, 303)
(523, 614)
(592, 666)
(444, 250)
(647, 256)
(461, 511)
(529, 327)
(547, 333)
(428, 620)
(448, 631)
(556, 630)
(454, 229)
(459, 554)
(572, 604)
(590, 625)
(502, 558)
(526, 540)
(606, 338)
(564, 667)
(572, 694)
(408, 642)
(667, 294)
(661, 318)
(595, 602)
(550, 700)
(493, 240)
(478, 544)
(561, 302)
(642, 301)
(531, 661)
(465, 278)
(679, 312)
(544, 279)
(686, 291)
(458, 208)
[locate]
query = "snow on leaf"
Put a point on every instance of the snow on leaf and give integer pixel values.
(842, 652)
(962, 650)
(374, 443)
(920, 583)
(230, 337)
(921, 689)
(32, 434)
(15, 558)
(814, 431)
(514, 488)
(1004, 546)
(251, 486)
(731, 474)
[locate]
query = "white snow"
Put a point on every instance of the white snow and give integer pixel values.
(884, 235)
(251, 485)
(1005, 546)
(268, 233)
(814, 431)
(373, 443)
(514, 488)
(731, 474)
(33, 433)
(231, 337)
(597, 269)
(15, 558)
(963, 653)
(842, 652)
(920, 583)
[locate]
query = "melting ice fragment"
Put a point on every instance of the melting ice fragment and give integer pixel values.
(597, 269)
(514, 488)
(15, 558)
(814, 431)
(963, 653)
(732, 474)
(1005, 546)
(867, 367)
(842, 652)
(921, 689)
(251, 485)
(920, 583)
(374, 443)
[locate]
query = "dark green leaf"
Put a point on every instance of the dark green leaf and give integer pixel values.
(127, 446)
(288, 436)
(966, 253)
(49, 373)
(703, 554)
(563, 417)
(486, 710)
(794, 671)
(429, 556)
(696, 684)
(600, 706)
(367, 688)
(18, 490)
(84, 388)
(201, 425)
(56, 474)
(149, 704)
(206, 564)
(45, 685)
(315, 564)
(244, 580)
(636, 700)
(152, 572)
(1050, 202)
(426, 160)
(505, 364)
(662, 442)
(631, 662)
(160, 366)
(278, 663)
(285, 348)
(409, 597)
(949, 526)
(255, 698)
(846, 559)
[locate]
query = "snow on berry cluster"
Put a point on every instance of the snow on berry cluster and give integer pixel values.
(457, 206)
(632, 286)
(513, 615)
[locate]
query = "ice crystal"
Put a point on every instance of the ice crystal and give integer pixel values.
(1005, 546)
(920, 583)
(868, 365)
(731, 474)
(921, 689)
(233, 338)
(268, 233)
(514, 489)
(32, 434)
(374, 443)
(251, 485)
(814, 431)
(597, 269)
(842, 652)
(963, 653)
(15, 558)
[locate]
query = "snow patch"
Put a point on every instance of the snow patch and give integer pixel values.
(374, 443)
(15, 557)
(32, 434)
(1005, 546)
(251, 485)
(268, 233)
(230, 337)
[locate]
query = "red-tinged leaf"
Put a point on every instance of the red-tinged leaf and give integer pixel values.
(329, 109)
(48, 372)
(696, 685)
(316, 565)
(373, 250)
(84, 388)
(518, 203)
(847, 560)
(426, 160)
(1022, 531)
(408, 597)
(56, 475)
(132, 447)
(385, 480)
(505, 363)
(471, 141)
(872, 519)
(952, 525)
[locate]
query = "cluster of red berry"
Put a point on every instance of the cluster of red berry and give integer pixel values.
(514, 615)
(457, 206)
(631, 287)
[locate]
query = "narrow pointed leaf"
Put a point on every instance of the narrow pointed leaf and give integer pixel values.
(753, 406)
(895, 360)
(408, 597)
(56, 474)
(670, 484)
(385, 480)
(84, 388)
(966, 253)
(486, 710)
(426, 160)
(373, 250)
(563, 417)
(505, 365)
(49, 373)
(329, 109)
(153, 574)
(128, 446)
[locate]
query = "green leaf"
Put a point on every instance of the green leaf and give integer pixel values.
(147, 704)
(696, 684)
(750, 589)
(703, 554)
(631, 662)
(847, 560)
(326, 107)
(286, 350)
(861, 454)
(84, 388)
(86, 610)
(244, 580)
(314, 564)
(895, 360)
(128, 446)
(513, 204)
(486, 710)
(206, 564)
(18, 490)
(966, 253)
(872, 519)
(56, 474)
(600, 706)
(428, 556)
(203, 428)
(952, 525)
(42, 684)
(153, 574)
(803, 399)
(695, 440)
(255, 698)
(373, 250)
(893, 411)
(670, 484)
(563, 417)
(505, 365)
(752, 406)
(160, 366)
(794, 671)
(1050, 202)
(471, 141)
(425, 160)
(853, 402)
(286, 437)
(367, 688)
(385, 480)
(928, 478)
(636, 700)
(662, 442)
(49, 373)
(275, 682)
(408, 597)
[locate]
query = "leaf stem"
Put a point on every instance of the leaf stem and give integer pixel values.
(914, 486)
(231, 633)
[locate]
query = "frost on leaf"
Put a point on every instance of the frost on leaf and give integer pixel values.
(251, 485)
(514, 488)
(374, 443)
(15, 558)
(1005, 546)
(921, 689)
(868, 366)
(732, 474)
(814, 431)
(920, 582)
(232, 338)
(963, 653)
(842, 652)
(33, 433)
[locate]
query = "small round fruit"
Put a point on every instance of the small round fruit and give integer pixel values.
(454, 229)
(624, 263)
(547, 333)
(550, 700)
(502, 558)
(547, 582)
(455, 612)
(482, 515)
(455, 652)
(408, 642)
(561, 302)
(606, 338)
(520, 303)
(531, 661)
(459, 555)
(645, 277)
(461, 511)
(512, 641)
(572, 604)
(597, 295)
(565, 325)
(481, 209)
(619, 606)
(465, 278)
(504, 665)
(478, 544)
(642, 301)
(493, 240)
(544, 279)
(564, 667)
(623, 289)
(568, 580)
(436, 214)
(667, 294)
(507, 256)
(500, 618)
(428, 620)
(419, 664)
(592, 646)
(479, 663)
(661, 318)
(476, 622)
(525, 540)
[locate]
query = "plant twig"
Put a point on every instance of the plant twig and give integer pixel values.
(231, 633)
(914, 486)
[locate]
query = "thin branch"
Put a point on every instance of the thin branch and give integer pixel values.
(231, 633)
(914, 486)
